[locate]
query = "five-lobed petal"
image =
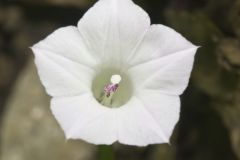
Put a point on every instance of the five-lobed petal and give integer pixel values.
(117, 34)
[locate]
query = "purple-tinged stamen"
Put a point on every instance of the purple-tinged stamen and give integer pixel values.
(110, 88)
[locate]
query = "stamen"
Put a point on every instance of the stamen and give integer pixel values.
(110, 89)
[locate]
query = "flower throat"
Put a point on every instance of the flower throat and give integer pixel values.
(112, 88)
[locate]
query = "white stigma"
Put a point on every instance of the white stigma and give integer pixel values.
(116, 79)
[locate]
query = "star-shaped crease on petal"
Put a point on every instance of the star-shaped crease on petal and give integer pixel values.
(63, 66)
(113, 28)
(81, 117)
(168, 65)
(168, 74)
(165, 109)
(137, 126)
(159, 41)
(68, 43)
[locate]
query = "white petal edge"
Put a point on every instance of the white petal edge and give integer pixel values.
(168, 74)
(82, 117)
(61, 76)
(159, 41)
(68, 43)
(114, 29)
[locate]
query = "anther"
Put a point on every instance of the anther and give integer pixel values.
(110, 89)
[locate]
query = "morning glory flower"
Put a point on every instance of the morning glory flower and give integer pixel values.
(115, 77)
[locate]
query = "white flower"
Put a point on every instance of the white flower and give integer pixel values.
(148, 65)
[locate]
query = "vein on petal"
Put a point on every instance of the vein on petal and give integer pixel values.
(77, 127)
(161, 57)
(64, 69)
(134, 51)
(162, 134)
(68, 59)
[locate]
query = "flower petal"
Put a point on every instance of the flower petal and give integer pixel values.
(159, 41)
(64, 64)
(82, 117)
(113, 28)
(68, 43)
(165, 109)
(168, 74)
(61, 76)
(137, 126)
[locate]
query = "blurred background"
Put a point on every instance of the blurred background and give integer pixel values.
(209, 127)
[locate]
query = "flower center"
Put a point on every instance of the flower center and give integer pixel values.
(112, 88)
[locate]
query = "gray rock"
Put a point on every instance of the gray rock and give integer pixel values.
(29, 131)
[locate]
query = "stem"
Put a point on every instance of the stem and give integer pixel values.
(105, 152)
